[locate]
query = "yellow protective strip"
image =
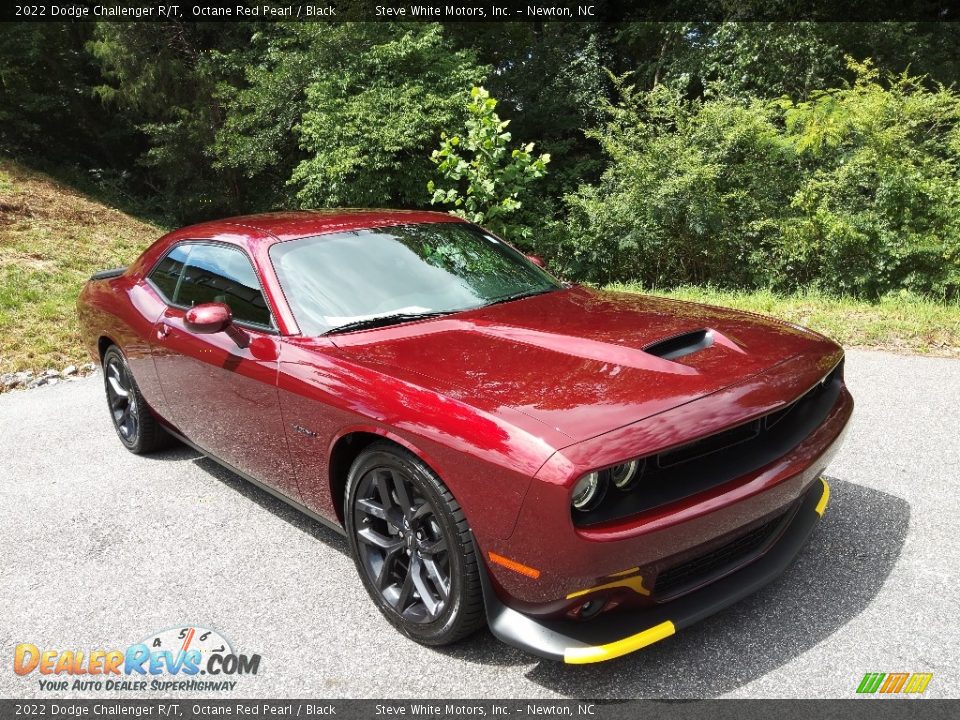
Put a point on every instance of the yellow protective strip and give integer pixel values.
(635, 583)
(599, 653)
(822, 505)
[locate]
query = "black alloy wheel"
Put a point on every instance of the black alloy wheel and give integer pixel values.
(136, 427)
(412, 546)
(121, 398)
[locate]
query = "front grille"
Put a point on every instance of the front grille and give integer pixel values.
(748, 431)
(717, 562)
(684, 471)
(711, 444)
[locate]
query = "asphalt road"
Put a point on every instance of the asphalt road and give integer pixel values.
(98, 548)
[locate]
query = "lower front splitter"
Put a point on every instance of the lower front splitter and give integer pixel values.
(617, 634)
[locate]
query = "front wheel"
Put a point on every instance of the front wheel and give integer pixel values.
(412, 546)
(136, 427)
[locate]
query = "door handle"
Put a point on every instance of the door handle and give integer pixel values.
(162, 331)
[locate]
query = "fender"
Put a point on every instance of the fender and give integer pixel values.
(431, 461)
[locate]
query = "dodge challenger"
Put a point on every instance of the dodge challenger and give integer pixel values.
(587, 472)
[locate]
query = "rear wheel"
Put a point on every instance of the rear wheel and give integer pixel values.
(136, 427)
(412, 546)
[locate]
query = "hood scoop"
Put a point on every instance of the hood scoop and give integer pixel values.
(680, 345)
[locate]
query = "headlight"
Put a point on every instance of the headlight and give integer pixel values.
(624, 475)
(588, 492)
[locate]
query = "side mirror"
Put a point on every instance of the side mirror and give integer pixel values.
(211, 318)
(208, 318)
(537, 260)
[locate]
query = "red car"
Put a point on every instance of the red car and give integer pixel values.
(585, 471)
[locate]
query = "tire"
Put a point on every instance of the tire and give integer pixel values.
(412, 546)
(135, 424)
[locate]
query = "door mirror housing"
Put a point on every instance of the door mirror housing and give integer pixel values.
(208, 318)
(211, 318)
(537, 260)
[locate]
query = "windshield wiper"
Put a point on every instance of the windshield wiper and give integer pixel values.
(384, 320)
(519, 295)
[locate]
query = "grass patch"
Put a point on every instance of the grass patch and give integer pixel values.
(6, 183)
(51, 239)
(902, 323)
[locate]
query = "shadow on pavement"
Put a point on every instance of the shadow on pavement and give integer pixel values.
(261, 497)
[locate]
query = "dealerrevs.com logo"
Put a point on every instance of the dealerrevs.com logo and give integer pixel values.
(894, 683)
(190, 659)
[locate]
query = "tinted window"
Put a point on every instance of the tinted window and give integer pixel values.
(194, 273)
(167, 273)
(214, 273)
(341, 278)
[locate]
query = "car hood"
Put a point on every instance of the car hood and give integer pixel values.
(583, 362)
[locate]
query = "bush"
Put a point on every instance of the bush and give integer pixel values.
(688, 195)
(878, 207)
(855, 191)
(487, 178)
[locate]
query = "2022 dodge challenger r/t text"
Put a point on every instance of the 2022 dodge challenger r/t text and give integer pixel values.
(585, 471)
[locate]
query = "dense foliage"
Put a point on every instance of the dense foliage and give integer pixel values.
(855, 190)
(739, 154)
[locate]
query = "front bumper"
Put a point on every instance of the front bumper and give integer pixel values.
(615, 634)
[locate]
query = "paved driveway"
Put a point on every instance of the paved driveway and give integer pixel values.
(98, 548)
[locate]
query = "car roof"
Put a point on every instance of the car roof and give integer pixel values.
(290, 225)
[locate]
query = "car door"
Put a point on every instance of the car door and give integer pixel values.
(221, 396)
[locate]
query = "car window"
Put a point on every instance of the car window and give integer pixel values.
(166, 274)
(196, 273)
(341, 278)
(215, 273)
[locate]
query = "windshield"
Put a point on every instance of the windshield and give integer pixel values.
(370, 277)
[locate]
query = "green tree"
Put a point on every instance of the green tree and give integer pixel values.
(48, 110)
(549, 79)
(258, 138)
(384, 95)
(770, 59)
(488, 176)
(165, 75)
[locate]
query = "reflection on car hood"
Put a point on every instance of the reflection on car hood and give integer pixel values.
(580, 361)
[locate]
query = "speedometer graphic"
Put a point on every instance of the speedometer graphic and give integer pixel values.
(186, 638)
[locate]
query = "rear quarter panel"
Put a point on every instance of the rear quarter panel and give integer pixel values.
(123, 311)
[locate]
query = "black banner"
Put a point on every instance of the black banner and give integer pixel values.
(872, 709)
(482, 10)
